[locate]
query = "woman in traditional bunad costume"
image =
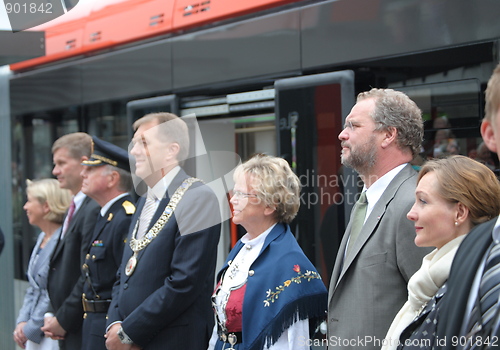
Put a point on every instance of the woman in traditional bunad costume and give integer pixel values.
(269, 295)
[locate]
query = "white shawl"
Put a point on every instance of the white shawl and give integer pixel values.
(422, 286)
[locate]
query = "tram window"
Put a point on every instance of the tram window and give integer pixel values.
(108, 121)
(43, 134)
(255, 134)
(20, 242)
(32, 138)
(452, 114)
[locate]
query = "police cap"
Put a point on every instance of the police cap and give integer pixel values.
(105, 153)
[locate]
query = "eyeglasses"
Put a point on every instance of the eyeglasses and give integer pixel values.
(349, 125)
(239, 194)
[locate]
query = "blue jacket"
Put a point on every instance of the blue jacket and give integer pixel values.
(282, 285)
(36, 301)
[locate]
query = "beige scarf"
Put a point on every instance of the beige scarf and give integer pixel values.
(422, 286)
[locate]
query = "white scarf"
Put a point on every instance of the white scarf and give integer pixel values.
(422, 286)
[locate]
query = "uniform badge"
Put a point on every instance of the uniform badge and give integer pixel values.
(129, 207)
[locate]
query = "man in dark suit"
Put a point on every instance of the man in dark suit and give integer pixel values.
(65, 291)
(382, 134)
(162, 300)
(459, 325)
(107, 180)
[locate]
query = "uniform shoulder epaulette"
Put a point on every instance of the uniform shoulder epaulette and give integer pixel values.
(129, 207)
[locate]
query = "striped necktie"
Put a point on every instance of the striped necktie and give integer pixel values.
(483, 314)
(358, 220)
(146, 215)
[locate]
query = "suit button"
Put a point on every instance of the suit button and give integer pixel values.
(251, 273)
(125, 285)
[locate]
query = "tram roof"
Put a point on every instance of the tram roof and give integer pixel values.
(19, 46)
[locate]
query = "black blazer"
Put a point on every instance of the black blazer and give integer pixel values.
(165, 303)
(64, 288)
(463, 270)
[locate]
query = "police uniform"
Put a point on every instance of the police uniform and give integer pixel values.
(105, 252)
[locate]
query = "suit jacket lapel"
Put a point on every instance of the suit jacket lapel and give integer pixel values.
(102, 221)
(34, 264)
(99, 226)
(49, 246)
(369, 227)
(60, 242)
(44, 257)
(371, 222)
(454, 302)
(176, 182)
(139, 205)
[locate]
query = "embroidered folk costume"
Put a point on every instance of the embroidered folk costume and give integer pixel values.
(282, 288)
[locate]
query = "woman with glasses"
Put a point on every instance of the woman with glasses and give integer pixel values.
(269, 294)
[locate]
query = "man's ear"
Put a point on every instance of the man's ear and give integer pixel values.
(115, 177)
(389, 136)
(488, 134)
(173, 149)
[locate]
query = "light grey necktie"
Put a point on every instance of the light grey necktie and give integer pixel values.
(358, 219)
(146, 214)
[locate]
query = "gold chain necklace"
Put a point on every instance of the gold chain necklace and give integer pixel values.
(139, 244)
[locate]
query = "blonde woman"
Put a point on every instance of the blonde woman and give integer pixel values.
(269, 294)
(45, 207)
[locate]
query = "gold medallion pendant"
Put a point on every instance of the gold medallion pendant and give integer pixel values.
(131, 264)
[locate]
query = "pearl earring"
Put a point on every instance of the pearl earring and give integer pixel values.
(456, 223)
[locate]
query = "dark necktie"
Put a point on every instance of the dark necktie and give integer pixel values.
(358, 219)
(483, 314)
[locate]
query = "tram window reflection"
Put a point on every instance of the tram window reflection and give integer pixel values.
(452, 113)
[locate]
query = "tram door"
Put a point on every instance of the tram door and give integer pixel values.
(310, 113)
(229, 141)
